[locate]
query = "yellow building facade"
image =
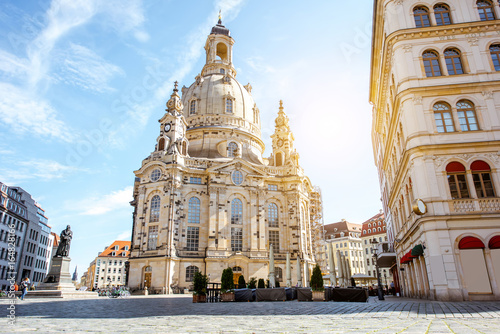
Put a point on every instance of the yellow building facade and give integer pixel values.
(206, 199)
(436, 128)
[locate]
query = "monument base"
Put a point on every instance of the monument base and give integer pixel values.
(58, 283)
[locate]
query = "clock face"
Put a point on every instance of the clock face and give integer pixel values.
(167, 127)
(419, 207)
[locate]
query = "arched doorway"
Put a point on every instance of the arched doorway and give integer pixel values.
(148, 271)
(237, 272)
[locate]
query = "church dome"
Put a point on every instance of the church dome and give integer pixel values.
(218, 109)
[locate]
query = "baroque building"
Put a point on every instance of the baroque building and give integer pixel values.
(436, 127)
(206, 199)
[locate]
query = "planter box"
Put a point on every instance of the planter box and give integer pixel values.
(318, 296)
(304, 294)
(227, 297)
(199, 299)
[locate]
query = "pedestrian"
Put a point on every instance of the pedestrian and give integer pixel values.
(24, 287)
(16, 287)
(393, 289)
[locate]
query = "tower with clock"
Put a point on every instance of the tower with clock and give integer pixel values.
(172, 141)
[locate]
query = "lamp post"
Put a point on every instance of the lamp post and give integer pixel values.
(374, 243)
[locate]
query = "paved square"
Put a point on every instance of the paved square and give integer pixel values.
(177, 314)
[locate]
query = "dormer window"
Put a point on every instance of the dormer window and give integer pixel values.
(222, 71)
(113, 253)
(126, 248)
(117, 247)
(124, 254)
(229, 106)
(232, 148)
(192, 107)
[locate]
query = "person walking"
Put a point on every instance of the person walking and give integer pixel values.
(24, 287)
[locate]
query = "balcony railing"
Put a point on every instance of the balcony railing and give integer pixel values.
(475, 205)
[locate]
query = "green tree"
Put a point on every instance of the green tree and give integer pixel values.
(200, 282)
(241, 282)
(227, 283)
(261, 284)
(252, 284)
(317, 279)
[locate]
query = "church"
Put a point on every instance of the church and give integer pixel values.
(206, 199)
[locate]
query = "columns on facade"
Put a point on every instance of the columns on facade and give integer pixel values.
(491, 273)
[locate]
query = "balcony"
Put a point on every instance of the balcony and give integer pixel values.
(475, 205)
(386, 256)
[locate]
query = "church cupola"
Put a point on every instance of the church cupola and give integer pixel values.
(219, 52)
(172, 140)
(282, 138)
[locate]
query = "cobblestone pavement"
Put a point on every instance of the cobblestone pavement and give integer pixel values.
(177, 314)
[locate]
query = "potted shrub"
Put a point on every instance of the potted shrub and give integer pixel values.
(261, 284)
(241, 282)
(200, 282)
(227, 285)
(252, 284)
(318, 291)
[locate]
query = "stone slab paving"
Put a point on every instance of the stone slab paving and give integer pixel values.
(177, 314)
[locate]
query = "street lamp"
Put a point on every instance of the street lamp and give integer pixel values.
(380, 292)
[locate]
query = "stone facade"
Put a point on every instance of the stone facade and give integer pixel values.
(206, 199)
(436, 128)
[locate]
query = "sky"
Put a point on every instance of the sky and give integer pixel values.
(84, 82)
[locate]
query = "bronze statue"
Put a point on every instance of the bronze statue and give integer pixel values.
(64, 242)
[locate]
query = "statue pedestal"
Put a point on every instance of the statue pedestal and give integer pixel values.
(58, 283)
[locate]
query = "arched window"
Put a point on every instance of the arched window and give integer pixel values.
(222, 71)
(485, 9)
(442, 14)
(155, 209)
(161, 144)
(194, 210)
(192, 107)
(278, 274)
(232, 148)
(481, 174)
(364, 231)
(495, 56)
(475, 272)
(431, 64)
(369, 230)
(190, 271)
(379, 229)
(421, 15)
(229, 106)
(236, 211)
(457, 180)
(279, 159)
(272, 215)
(237, 269)
(466, 116)
(442, 117)
(453, 61)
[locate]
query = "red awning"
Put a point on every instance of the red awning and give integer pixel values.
(494, 242)
(470, 243)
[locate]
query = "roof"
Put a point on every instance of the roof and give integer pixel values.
(108, 252)
(343, 226)
(372, 225)
(56, 239)
(219, 29)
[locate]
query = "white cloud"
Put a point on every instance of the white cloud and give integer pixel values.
(82, 67)
(125, 235)
(40, 169)
(12, 65)
(24, 113)
(99, 205)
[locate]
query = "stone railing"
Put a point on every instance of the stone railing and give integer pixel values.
(195, 163)
(469, 205)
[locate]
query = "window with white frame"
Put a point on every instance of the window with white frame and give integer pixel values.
(155, 209)
(194, 210)
(152, 237)
(192, 238)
